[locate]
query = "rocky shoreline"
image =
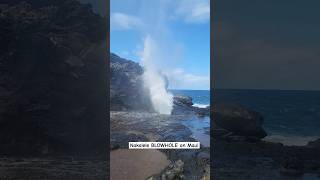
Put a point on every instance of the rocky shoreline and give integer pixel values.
(142, 126)
(241, 153)
(235, 156)
(237, 138)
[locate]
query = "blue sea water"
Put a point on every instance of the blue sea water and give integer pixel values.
(288, 115)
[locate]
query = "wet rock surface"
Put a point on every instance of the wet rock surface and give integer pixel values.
(187, 164)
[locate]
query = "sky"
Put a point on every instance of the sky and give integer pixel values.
(180, 29)
(267, 44)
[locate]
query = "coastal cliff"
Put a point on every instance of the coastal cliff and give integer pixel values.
(52, 81)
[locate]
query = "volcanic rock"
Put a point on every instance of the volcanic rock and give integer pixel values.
(127, 91)
(52, 78)
(239, 121)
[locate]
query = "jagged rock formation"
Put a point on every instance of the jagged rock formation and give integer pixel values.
(52, 78)
(184, 105)
(127, 91)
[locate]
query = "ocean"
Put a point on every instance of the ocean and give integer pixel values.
(290, 117)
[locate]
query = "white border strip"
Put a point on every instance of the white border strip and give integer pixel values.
(164, 145)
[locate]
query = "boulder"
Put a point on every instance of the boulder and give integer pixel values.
(239, 121)
(314, 144)
(185, 101)
(184, 105)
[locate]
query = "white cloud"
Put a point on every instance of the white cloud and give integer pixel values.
(194, 11)
(179, 79)
(121, 21)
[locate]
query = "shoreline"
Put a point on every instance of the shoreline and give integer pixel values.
(162, 128)
(290, 140)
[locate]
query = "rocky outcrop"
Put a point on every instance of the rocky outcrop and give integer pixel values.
(314, 144)
(230, 121)
(52, 78)
(183, 105)
(173, 172)
(127, 91)
(239, 121)
(184, 101)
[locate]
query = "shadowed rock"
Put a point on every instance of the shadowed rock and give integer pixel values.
(52, 81)
(239, 121)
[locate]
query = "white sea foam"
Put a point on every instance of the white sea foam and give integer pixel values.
(291, 140)
(200, 105)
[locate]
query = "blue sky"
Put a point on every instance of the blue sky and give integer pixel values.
(181, 30)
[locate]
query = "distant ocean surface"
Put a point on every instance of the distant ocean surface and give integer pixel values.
(290, 117)
(200, 98)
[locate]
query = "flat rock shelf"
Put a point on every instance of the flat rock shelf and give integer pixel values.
(136, 164)
(128, 126)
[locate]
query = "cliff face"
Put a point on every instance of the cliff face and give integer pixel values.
(127, 91)
(52, 77)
